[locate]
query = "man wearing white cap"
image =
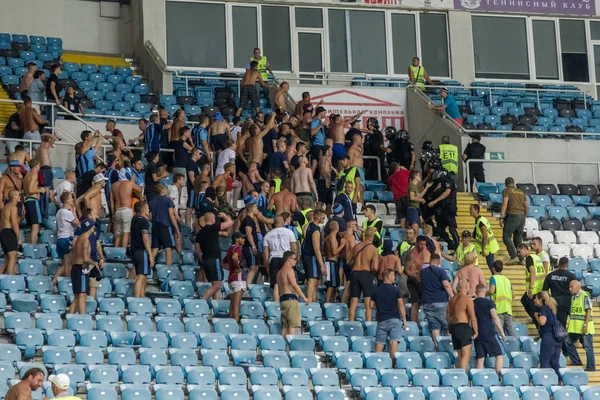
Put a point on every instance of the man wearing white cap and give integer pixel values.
(60, 386)
(121, 194)
(93, 197)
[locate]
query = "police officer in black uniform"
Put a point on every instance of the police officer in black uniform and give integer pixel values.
(400, 148)
(444, 207)
(427, 212)
(428, 153)
(475, 151)
(374, 147)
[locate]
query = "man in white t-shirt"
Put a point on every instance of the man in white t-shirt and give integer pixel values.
(226, 156)
(276, 242)
(68, 185)
(176, 192)
(66, 221)
(236, 128)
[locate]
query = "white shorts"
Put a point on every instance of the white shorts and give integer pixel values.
(237, 286)
(123, 218)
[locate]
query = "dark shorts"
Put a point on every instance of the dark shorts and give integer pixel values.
(46, 176)
(240, 166)
(213, 270)
(413, 216)
(414, 289)
(361, 282)
(63, 246)
(461, 335)
(325, 194)
(162, 237)
(33, 211)
(274, 266)
(490, 346)
(248, 92)
(8, 240)
(191, 201)
(217, 141)
(334, 273)
(315, 152)
(80, 280)
(339, 150)
(250, 258)
(311, 267)
(347, 272)
(141, 262)
(401, 207)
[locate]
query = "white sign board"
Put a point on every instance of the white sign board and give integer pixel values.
(387, 105)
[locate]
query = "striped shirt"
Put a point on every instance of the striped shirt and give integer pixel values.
(152, 138)
(84, 162)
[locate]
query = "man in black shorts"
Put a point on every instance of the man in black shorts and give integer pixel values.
(488, 343)
(208, 250)
(141, 251)
(10, 237)
(312, 254)
(462, 321)
(82, 264)
(33, 209)
(365, 261)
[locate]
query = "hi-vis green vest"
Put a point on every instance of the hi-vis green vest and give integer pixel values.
(577, 317)
(492, 246)
(540, 256)
(404, 247)
(540, 274)
(449, 156)
(419, 76)
(277, 185)
(347, 177)
(461, 251)
(262, 67)
(367, 224)
(300, 228)
(503, 295)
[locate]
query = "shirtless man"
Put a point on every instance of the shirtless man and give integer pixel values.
(121, 194)
(333, 260)
(32, 380)
(365, 260)
(27, 78)
(241, 163)
(255, 142)
(289, 292)
(284, 200)
(350, 239)
(388, 260)
(303, 184)
(12, 180)
(280, 96)
(338, 123)
(33, 210)
(46, 176)
(356, 159)
(31, 121)
(219, 133)
(82, 265)
(428, 232)
(325, 189)
(419, 257)
(10, 237)
(471, 273)
(221, 180)
(21, 156)
(248, 89)
(462, 321)
(93, 197)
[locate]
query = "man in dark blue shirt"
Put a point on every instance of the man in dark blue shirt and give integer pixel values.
(487, 343)
(391, 314)
(192, 171)
(152, 135)
(338, 215)
(343, 199)
(165, 227)
(152, 176)
(436, 290)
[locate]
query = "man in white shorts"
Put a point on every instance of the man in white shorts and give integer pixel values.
(122, 193)
(236, 281)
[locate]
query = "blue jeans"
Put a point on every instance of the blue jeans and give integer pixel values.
(489, 259)
(550, 353)
(588, 345)
(391, 328)
(435, 314)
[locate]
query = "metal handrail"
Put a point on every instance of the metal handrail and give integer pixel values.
(155, 56)
(444, 115)
(532, 165)
(574, 134)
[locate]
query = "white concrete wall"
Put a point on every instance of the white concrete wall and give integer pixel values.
(78, 22)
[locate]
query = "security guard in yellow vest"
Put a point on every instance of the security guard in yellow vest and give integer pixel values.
(417, 74)
(502, 294)
(483, 236)
(373, 221)
(537, 246)
(263, 64)
(60, 384)
(580, 327)
(534, 279)
(463, 248)
(449, 157)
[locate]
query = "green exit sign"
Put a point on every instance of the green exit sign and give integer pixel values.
(495, 155)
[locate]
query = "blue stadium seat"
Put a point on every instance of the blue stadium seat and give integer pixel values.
(321, 328)
(61, 338)
(183, 340)
(524, 360)
(226, 326)
(261, 293)
(297, 377)
(409, 393)
(272, 342)
(504, 393)
(152, 357)
(168, 324)
(121, 356)
(361, 379)
(154, 340)
(362, 344)
(196, 325)
(300, 343)
(303, 359)
(264, 377)
(378, 361)
(93, 339)
(200, 376)
(135, 392)
(576, 377)
(169, 375)
(515, 377)
(276, 359)
(408, 360)
(111, 306)
(215, 359)
(534, 393)
(565, 393)
(51, 356)
(102, 392)
(201, 393)
(484, 378)
(251, 309)
(437, 361)
(349, 360)
(89, 356)
(168, 307)
(545, 377)
(139, 306)
(103, 374)
(472, 393)
(311, 312)
(350, 328)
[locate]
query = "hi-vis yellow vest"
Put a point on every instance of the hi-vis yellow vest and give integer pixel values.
(367, 224)
(419, 76)
(449, 156)
(404, 247)
(262, 67)
(540, 274)
(348, 177)
(300, 228)
(277, 185)
(577, 317)
(461, 251)
(492, 246)
(503, 295)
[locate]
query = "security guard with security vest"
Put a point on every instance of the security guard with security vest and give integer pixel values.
(485, 241)
(349, 174)
(417, 74)
(263, 67)
(501, 292)
(465, 247)
(373, 221)
(534, 279)
(449, 156)
(580, 327)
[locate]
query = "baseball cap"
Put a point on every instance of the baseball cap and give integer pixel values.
(337, 208)
(237, 235)
(87, 224)
(99, 177)
(15, 163)
(61, 381)
(466, 234)
(319, 110)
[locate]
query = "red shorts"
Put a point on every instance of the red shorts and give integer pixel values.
(229, 184)
(458, 121)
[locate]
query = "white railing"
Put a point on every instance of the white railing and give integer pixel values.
(532, 165)
(528, 134)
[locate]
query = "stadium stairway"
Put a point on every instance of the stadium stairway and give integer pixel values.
(515, 273)
(6, 109)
